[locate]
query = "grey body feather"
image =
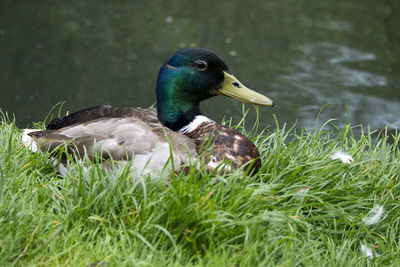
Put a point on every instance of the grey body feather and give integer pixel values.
(123, 134)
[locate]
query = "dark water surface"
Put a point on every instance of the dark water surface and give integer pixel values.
(303, 54)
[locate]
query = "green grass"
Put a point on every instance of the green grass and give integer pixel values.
(87, 219)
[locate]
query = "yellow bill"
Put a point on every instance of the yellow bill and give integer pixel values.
(232, 87)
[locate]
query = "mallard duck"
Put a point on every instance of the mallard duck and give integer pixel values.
(149, 136)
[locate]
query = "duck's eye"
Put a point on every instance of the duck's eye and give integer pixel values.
(201, 65)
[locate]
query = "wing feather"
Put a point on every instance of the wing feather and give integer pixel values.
(121, 134)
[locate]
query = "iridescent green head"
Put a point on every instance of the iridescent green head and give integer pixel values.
(190, 76)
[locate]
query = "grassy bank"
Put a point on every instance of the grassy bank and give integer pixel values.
(302, 208)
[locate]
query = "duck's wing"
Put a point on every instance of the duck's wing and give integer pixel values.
(124, 133)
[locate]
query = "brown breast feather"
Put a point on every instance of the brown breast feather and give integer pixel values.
(220, 143)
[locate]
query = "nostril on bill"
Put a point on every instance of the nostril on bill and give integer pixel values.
(236, 84)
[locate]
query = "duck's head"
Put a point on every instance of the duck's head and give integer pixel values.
(192, 75)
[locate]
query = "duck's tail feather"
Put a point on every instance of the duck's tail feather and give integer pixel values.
(30, 143)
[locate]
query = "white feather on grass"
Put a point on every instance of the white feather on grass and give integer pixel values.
(374, 216)
(344, 157)
(367, 251)
(302, 190)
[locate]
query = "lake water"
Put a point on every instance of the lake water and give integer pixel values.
(302, 54)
